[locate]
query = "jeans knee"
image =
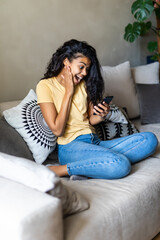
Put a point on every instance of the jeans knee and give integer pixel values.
(124, 167)
(120, 168)
(151, 141)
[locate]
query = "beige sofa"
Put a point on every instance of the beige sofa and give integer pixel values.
(124, 209)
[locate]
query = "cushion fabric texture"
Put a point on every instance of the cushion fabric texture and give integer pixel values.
(28, 121)
(107, 130)
(11, 141)
(147, 74)
(149, 99)
(116, 115)
(41, 178)
(120, 84)
(72, 201)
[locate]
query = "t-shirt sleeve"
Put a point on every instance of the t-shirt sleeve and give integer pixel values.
(43, 92)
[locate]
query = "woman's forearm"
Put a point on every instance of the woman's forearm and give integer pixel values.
(57, 121)
(95, 119)
(62, 117)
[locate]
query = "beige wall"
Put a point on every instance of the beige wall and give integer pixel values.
(31, 30)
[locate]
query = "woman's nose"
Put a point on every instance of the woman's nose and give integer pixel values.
(84, 72)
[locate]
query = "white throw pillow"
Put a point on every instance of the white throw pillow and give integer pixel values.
(41, 178)
(27, 172)
(120, 84)
(146, 74)
(28, 121)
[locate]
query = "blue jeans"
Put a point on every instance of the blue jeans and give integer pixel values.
(88, 156)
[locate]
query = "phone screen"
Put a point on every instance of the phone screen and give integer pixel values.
(107, 99)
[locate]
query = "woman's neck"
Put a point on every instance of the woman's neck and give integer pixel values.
(60, 78)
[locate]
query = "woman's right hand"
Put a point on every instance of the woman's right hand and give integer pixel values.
(68, 80)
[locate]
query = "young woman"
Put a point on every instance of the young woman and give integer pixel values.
(69, 96)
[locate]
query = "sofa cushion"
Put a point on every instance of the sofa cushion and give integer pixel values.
(149, 99)
(42, 179)
(119, 83)
(11, 142)
(126, 208)
(28, 214)
(28, 121)
(147, 74)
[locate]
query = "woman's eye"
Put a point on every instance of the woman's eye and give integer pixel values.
(81, 67)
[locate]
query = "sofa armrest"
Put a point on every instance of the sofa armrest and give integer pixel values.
(28, 214)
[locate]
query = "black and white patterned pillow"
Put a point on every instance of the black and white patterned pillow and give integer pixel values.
(107, 130)
(28, 121)
(116, 115)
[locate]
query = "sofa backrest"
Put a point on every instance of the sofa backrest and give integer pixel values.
(7, 105)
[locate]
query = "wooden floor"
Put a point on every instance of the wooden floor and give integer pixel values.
(157, 237)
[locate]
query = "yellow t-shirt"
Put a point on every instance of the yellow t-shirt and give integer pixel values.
(50, 90)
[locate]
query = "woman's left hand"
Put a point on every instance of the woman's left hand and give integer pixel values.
(101, 109)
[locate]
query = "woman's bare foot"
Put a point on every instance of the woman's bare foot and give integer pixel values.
(60, 170)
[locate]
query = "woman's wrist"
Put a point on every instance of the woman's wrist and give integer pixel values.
(69, 93)
(103, 118)
(95, 119)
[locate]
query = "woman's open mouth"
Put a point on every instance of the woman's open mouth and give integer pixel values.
(78, 78)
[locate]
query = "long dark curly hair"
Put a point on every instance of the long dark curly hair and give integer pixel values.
(94, 80)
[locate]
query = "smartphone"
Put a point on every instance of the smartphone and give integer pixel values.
(107, 100)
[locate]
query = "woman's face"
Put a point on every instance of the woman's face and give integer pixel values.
(79, 68)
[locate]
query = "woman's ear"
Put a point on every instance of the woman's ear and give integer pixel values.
(66, 62)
